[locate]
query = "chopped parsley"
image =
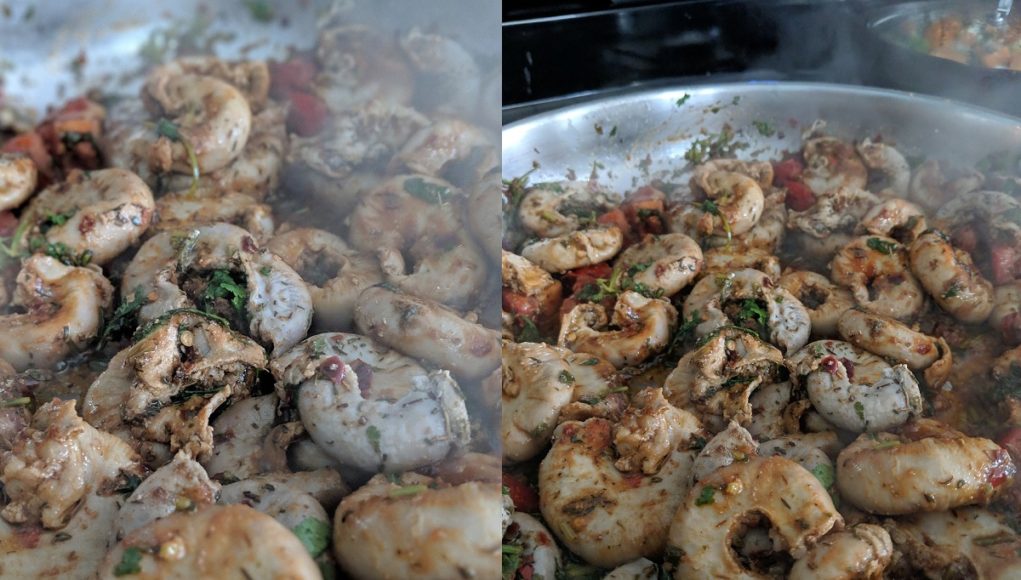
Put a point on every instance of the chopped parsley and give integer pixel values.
(372, 432)
(952, 291)
(859, 410)
(824, 473)
(511, 561)
(706, 497)
(565, 377)
(428, 192)
(151, 326)
(881, 246)
(616, 284)
(18, 402)
(223, 285)
(753, 311)
(261, 10)
(314, 535)
(407, 490)
(124, 317)
(714, 145)
(529, 331)
(709, 206)
(61, 252)
(683, 100)
(166, 128)
(764, 128)
(590, 362)
(131, 562)
(55, 219)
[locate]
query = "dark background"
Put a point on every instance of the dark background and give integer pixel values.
(558, 52)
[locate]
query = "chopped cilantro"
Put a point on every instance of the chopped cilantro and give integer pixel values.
(824, 473)
(859, 410)
(166, 128)
(683, 99)
(222, 285)
(529, 331)
(752, 310)
(565, 377)
(131, 562)
(590, 362)
(714, 145)
(511, 561)
(764, 128)
(261, 10)
(881, 246)
(706, 497)
(709, 206)
(952, 291)
(406, 490)
(314, 535)
(372, 432)
(125, 316)
(429, 192)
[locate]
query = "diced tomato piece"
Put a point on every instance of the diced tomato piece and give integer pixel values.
(524, 496)
(1002, 470)
(644, 210)
(1011, 441)
(8, 223)
(568, 303)
(297, 73)
(526, 571)
(799, 196)
(965, 238)
(580, 277)
(615, 217)
(1005, 260)
(787, 170)
(31, 144)
(308, 114)
(519, 304)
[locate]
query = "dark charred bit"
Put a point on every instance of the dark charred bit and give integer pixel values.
(586, 505)
(364, 374)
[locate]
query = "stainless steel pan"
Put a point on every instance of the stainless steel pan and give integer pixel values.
(896, 64)
(638, 137)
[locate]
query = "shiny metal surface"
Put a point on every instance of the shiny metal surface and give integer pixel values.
(630, 140)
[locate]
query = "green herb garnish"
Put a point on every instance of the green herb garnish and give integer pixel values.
(166, 128)
(764, 128)
(406, 490)
(125, 316)
(706, 497)
(565, 377)
(372, 432)
(824, 473)
(314, 535)
(881, 246)
(428, 192)
(511, 561)
(18, 402)
(261, 10)
(683, 99)
(131, 562)
(223, 285)
(859, 410)
(709, 206)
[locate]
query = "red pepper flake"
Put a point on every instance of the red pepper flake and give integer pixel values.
(87, 224)
(333, 369)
